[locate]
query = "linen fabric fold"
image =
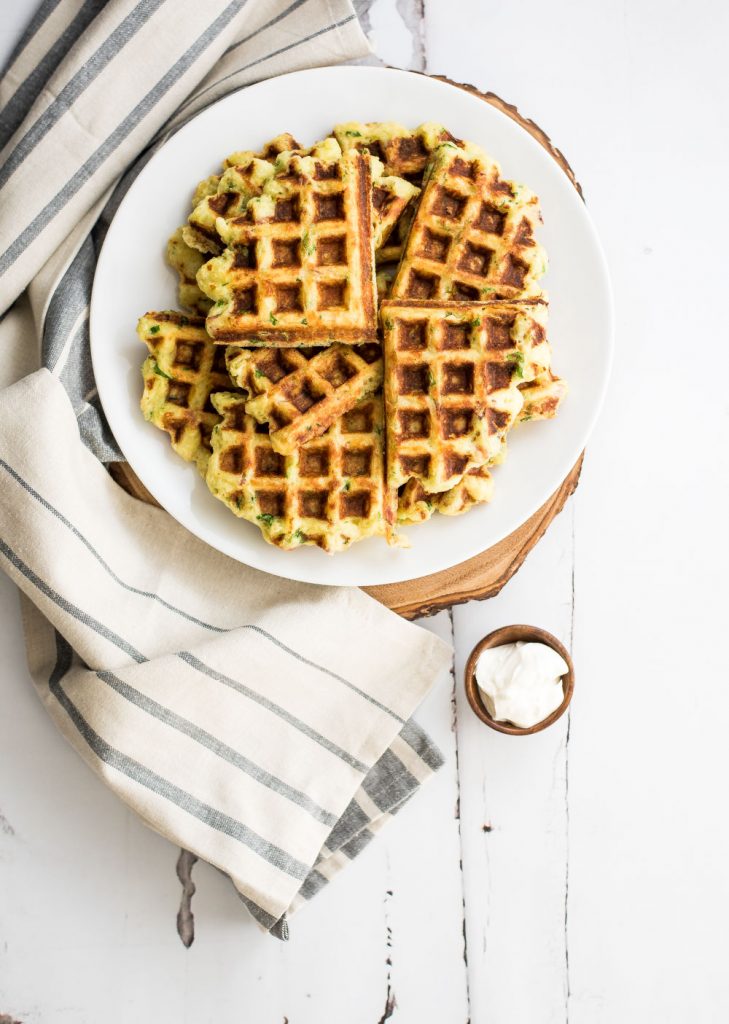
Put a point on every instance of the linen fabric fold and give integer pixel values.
(93, 89)
(264, 725)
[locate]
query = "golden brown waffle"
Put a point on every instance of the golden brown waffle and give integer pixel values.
(199, 232)
(235, 187)
(207, 187)
(187, 261)
(180, 373)
(394, 247)
(299, 267)
(299, 433)
(302, 405)
(283, 143)
(244, 175)
(257, 370)
(472, 237)
(416, 505)
(403, 151)
(451, 388)
(329, 492)
(542, 397)
(392, 199)
(246, 172)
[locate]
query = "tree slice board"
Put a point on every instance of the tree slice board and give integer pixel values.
(481, 576)
(484, 575)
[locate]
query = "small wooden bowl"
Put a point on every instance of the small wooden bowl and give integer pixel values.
(510, 635)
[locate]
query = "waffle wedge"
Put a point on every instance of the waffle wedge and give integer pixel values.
(303, 404)
(234, 188)
(327, 493)
(200, 231)
(403, 151)
(542, 397)
(416, 505)
(187, 261)
(392, 200)
(283, 143)
(244, 175)
(181, 371)
(299, 267)
(257, 370)
(451, 388)
(472, 237)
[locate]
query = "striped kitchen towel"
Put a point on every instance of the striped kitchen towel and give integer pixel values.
(262, 724)
(92, 90)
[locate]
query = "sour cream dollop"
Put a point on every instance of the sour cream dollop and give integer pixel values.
(521, 683)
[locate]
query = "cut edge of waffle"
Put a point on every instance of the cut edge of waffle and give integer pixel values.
(299, 267)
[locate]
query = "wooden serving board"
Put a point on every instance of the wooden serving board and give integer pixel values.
(484, 575)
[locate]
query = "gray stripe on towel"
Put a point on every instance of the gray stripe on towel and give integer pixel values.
(210, 816)
(280, 712)
(31, 88)
(389, 782)
(39, 19)
(206, 739)
(124, 129)
(268, 56)
(67, 606)
(78, 84)
(421, 743)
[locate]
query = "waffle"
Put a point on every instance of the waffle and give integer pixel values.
(183, 368)
(274, 388)
(394, 247)
(283, 143)
(257, 370)
(472, 237)
(542, 397)
(217, 194)
(403, 152)
(187, 261)
(299, 270)
(451, 388)
(244, 176)
(303, 404)
(328, 493)
(416, 505)
(234, 188)
(392, 199)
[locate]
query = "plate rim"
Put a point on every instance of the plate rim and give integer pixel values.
(286, 571)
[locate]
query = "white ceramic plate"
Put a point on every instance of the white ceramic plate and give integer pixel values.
(132, 277)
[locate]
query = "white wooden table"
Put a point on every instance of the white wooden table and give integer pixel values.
(580, 874)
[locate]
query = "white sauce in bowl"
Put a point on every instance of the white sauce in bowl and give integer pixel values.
(521, 683)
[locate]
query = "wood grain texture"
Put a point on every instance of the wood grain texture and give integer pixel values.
(485, 574)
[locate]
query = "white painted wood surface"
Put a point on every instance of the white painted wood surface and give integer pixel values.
(588, 862)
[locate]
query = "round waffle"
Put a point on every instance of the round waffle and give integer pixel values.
(289, 424)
